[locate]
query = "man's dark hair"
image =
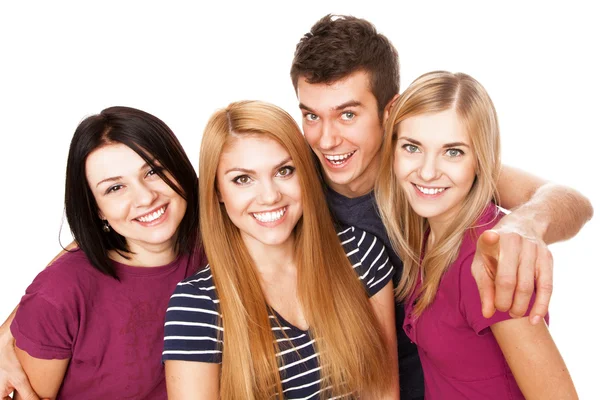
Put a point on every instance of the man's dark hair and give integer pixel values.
(156, 144)
(339, 45)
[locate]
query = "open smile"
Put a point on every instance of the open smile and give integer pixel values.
(270, 218)
(338, 160)
(153, 217)
(429, 192)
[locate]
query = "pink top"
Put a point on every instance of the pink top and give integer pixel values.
(112, 331)
(460, 356)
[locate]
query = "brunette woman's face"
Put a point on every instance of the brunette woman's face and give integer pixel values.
(133, 198)
(260, 190)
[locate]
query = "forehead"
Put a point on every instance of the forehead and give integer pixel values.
(323, 97)
(435, 128)
(112, 160)
(252, 152)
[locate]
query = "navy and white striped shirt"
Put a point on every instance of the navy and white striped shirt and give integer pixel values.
(192, 325)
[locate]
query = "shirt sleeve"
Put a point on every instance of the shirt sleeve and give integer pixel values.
(470, 301)
(370, 261)
(42, 329)
(192, 330)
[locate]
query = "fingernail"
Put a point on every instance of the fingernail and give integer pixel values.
(536, 319)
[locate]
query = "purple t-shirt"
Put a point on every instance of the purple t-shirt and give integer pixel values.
(111, 330)
(460, 356)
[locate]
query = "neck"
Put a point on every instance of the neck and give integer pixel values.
(437, 228)
(362, 184)
(271, 258)
(144, 255)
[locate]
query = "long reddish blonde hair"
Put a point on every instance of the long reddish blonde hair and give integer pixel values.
(351, 348)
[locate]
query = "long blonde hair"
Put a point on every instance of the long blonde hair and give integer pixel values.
(431, 93)
(350, 345)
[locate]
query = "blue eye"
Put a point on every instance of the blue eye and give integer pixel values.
(411, 148)
(311, 117)
(454, 152)
(288, 170)
(348, 115)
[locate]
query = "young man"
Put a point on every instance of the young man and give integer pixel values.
(346, 77)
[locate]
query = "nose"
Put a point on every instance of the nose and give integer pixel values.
(144, 195)
(330, 136)
(269, 193)
(428, 170)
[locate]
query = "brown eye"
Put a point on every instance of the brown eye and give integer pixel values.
(286, 171)
(241, 180)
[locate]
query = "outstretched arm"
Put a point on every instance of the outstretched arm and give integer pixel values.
(534, 360)
(513, 258)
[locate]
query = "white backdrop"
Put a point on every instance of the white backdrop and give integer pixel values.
(62, 61)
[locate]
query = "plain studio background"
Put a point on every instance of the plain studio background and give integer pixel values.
(60, 62)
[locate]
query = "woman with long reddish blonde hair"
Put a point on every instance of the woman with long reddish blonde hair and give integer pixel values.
(282, 309)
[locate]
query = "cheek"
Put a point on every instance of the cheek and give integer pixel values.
(112, 209)
(401, 166)
(464, 174)
(311, 134)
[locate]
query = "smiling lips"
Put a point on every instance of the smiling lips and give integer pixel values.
(270, 217)
(429, 191)
(152, 216)
(338, 160)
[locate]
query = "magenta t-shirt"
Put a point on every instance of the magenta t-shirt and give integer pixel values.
(460, 356)
(111, 330)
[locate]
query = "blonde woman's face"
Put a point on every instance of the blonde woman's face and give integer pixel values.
(434, 164)
(260, 189)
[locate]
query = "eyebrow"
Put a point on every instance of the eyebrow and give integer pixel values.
(251, 171)
(447, 145)
(118, 178)
(350, 103)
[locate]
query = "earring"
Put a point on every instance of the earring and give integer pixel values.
(106, 227)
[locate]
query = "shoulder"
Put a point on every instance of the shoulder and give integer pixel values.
(66, 277)
(196, 291)
(368, 257)
(193, 331)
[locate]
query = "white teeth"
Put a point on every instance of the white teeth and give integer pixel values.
(430, 190)
(151, 217)
(269, 216)
(338, 158)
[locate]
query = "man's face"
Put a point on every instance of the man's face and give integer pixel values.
(341, 124)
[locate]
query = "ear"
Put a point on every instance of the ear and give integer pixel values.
(388, 107)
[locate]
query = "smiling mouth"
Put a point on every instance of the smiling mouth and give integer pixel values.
(270, 216)
(339, 159)
(429, 191)
(153, 216)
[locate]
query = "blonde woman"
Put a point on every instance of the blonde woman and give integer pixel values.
(283, 309)
(436, 192)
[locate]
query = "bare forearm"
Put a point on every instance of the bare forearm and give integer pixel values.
(554, 212)
(557, 212)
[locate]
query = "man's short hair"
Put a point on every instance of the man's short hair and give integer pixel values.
(339, 45)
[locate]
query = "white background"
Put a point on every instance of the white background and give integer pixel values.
(62, 61)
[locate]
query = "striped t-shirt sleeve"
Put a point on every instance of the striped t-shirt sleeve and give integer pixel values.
(368, 257)
(192, 331)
